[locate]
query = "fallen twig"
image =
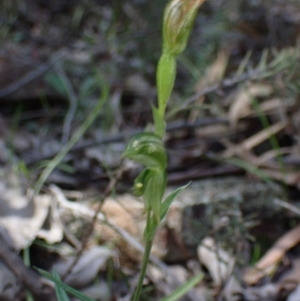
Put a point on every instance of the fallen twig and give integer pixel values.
(30, 279)
(91, 227)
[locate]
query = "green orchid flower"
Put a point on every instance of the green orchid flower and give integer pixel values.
(148, 150)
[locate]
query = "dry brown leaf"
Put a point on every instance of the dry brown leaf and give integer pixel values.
(295, 294)
(271, 104)
(288, 177)
(241, 104)
(125, 212)
(236, 150)
(138, 85)
(273, 153)
(293, 274)
(219, 262)
(86, 268)
(268, 262)
(213, 130)
(215, 72)
(266, 107)
(213, 75)
(258, 138)
(266, 292)
(21, 217)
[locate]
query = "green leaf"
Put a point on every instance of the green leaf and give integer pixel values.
(64, 286)
(154, 191)
(170, 198)
(60, 292)
(165, 78)
(56, 82)
(183, 289)
(250, 168)
(78, 134)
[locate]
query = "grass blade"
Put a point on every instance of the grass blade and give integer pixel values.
(65, 287)
(183, 289)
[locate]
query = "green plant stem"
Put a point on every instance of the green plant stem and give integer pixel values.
(148, 247)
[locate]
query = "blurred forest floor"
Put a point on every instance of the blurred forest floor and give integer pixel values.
(233, 130)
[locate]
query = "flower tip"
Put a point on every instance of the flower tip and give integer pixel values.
(178, 21)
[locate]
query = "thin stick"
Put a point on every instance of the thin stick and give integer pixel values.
(30, 280)
(91, 227)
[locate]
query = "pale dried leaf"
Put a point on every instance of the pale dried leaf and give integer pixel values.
(180, 273)
(218, 261)
(291, 278)
(214, 74)
(54, 232)
(289, 177)
(138, 85)
(271, 104)
(268, 262)
(241, 104)
(232, 289)
(87, 267)
(108, 155)
(267, 292)
(274, 153)
(98, 291)
(295, 295)
(21, 217)
(257, 138)
(213, 130)
(263, 135)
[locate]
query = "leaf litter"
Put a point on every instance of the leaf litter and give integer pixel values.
(247, 95)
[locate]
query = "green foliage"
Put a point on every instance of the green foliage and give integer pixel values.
(74, 139)
(60, 286)
(60, 292)
(56, 83)
(165, 78)
(169, 200)
(183, 289)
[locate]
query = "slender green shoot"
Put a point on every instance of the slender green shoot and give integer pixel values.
(74, 139)
(148, 148)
